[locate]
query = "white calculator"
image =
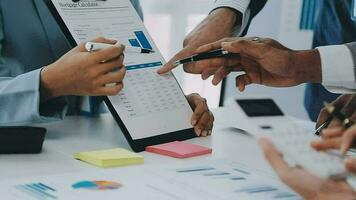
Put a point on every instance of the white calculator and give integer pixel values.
(263, 118)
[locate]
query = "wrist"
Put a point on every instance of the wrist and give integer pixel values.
(50, 85)
(306, 66)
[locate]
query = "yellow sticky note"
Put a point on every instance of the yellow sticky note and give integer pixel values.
(110, 157)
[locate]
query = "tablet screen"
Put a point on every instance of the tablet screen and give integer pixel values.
(149, 104)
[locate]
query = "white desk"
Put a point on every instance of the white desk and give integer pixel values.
(76, 134)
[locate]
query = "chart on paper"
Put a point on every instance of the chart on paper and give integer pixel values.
(191, 180)
(149, 104)
(223, 180)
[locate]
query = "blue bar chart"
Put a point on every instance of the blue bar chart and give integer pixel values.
(195, 169)
(140, 40)
(237, 182)
(144, 65)
(134, 43)
(38, 191)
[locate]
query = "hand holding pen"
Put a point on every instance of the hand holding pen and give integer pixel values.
(95, 46)
(342, 137)
(346, 104)
(260, 60)
(195, 61)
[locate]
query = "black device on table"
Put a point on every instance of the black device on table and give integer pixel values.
(21, 139)
(259, 107)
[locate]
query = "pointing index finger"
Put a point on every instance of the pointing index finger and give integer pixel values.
(169, 66)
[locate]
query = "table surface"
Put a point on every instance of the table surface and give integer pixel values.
(75, 134)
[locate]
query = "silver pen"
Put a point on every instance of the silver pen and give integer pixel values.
(95, 46)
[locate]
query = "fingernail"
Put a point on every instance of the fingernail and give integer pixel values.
(194, 122)
(199, 132)
(214, 81)
(159, 71)
(205, 133)
(241, 88)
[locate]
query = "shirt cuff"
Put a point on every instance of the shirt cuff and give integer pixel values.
(21, 98)
(347, 89)
(337, 65)
(241, 6)
(52, 110)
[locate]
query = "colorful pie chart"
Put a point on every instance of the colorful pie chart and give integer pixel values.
(97, 185)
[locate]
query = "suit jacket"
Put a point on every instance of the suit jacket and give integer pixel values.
(30, 38)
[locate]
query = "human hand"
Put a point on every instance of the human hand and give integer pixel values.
(307, 185)
(203, 118)
(346, 104)
(264, 61)
(82, 73)
(217, 25)
(338, 138)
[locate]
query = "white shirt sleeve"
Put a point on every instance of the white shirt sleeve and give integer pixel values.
(240, 5)
(338, 69)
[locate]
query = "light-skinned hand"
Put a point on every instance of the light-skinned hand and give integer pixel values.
(82, 73)
(307, 185)
(341, 139)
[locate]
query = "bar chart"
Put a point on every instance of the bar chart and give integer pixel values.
(38, 191)
(140, 40)
(227, 181)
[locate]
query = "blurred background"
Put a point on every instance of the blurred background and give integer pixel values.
(288, 21)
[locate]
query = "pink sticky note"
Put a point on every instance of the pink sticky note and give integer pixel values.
(179, 149)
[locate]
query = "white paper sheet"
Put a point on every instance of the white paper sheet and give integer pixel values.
(208, 180)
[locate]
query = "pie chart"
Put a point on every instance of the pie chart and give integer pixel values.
(97, 185)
